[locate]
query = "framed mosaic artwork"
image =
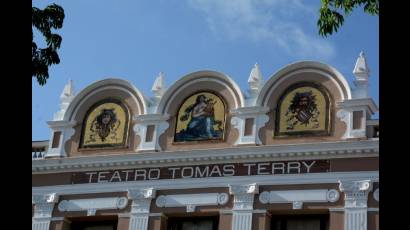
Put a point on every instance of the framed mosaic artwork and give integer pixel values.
(303, 109)
(106, 124)
(201, 117)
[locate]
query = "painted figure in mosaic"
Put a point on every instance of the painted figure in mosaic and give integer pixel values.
(105, 123)
(302, 110)
(201, 125)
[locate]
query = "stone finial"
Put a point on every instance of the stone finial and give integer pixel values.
(158, 87)
(255, 79)
(65, 99)
(361, 70)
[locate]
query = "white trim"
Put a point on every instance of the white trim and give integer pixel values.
(298, 197)
(204, 75)
(190, 201)
(372, 209)
(123, 215)
(212, 182)
(304, 66)
(339, 209)
(92, 205)
(160, 214)
(305, 151)
(109, 83)
(57, 219)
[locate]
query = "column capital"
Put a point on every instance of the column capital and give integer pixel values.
(137, 194)
(44, 198)
(355, 186)
(356, 192)
(243, 189)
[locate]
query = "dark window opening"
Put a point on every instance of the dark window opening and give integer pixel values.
(300, 222)
(94, 223)
(248, 127)
(56, 139)
(193, 223)
(357, 119)
(150, 133)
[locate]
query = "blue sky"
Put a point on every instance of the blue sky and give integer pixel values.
(135, 40)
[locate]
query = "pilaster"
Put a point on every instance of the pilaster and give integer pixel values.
(43, 208)
(243, 205)
(140, 208)
(356, 196)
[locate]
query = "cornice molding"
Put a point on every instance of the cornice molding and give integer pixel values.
(325, 150)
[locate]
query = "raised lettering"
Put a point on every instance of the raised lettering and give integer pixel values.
(204, 173)
(91, 175)
(116, 175)
(278, 166)
(184, 169)
(230, 169)
(249, 167)
(308, 166)
(260, 168)
(126, 174)
(173, 171)
(293, 165)
(140, 173)
(215, 169)
(100, 177)
(150, 177)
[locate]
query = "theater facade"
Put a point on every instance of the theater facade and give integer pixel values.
(297, 151)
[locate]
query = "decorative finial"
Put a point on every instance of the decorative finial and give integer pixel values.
(255, 78)
(66, 97)
(158, 87)
(361, 70)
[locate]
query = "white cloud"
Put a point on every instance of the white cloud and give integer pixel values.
(278, 22)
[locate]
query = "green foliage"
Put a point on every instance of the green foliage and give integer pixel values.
(331, 13)
(51, 17)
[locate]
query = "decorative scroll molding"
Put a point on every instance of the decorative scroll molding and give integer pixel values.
(191, 201)
(298, 197)
(67, 131)
(258, 114)
(140, 129)
(92, 205)
(376, 194)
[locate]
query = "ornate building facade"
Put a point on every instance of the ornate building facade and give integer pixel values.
(297, 151)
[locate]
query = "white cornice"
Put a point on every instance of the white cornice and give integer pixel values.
(325, 150)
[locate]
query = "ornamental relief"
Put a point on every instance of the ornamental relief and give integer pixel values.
(201, 117)
(304, 109)
(106, 125)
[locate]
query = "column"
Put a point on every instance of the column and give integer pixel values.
(140, 208)
(43, 208)
(356, 194)
(243, 205)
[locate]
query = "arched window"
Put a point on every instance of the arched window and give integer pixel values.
(201, 117)
(303, 109)
(106, 124)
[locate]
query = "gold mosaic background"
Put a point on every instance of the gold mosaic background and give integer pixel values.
(114, 138)
(218, 108)
(321, 106)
